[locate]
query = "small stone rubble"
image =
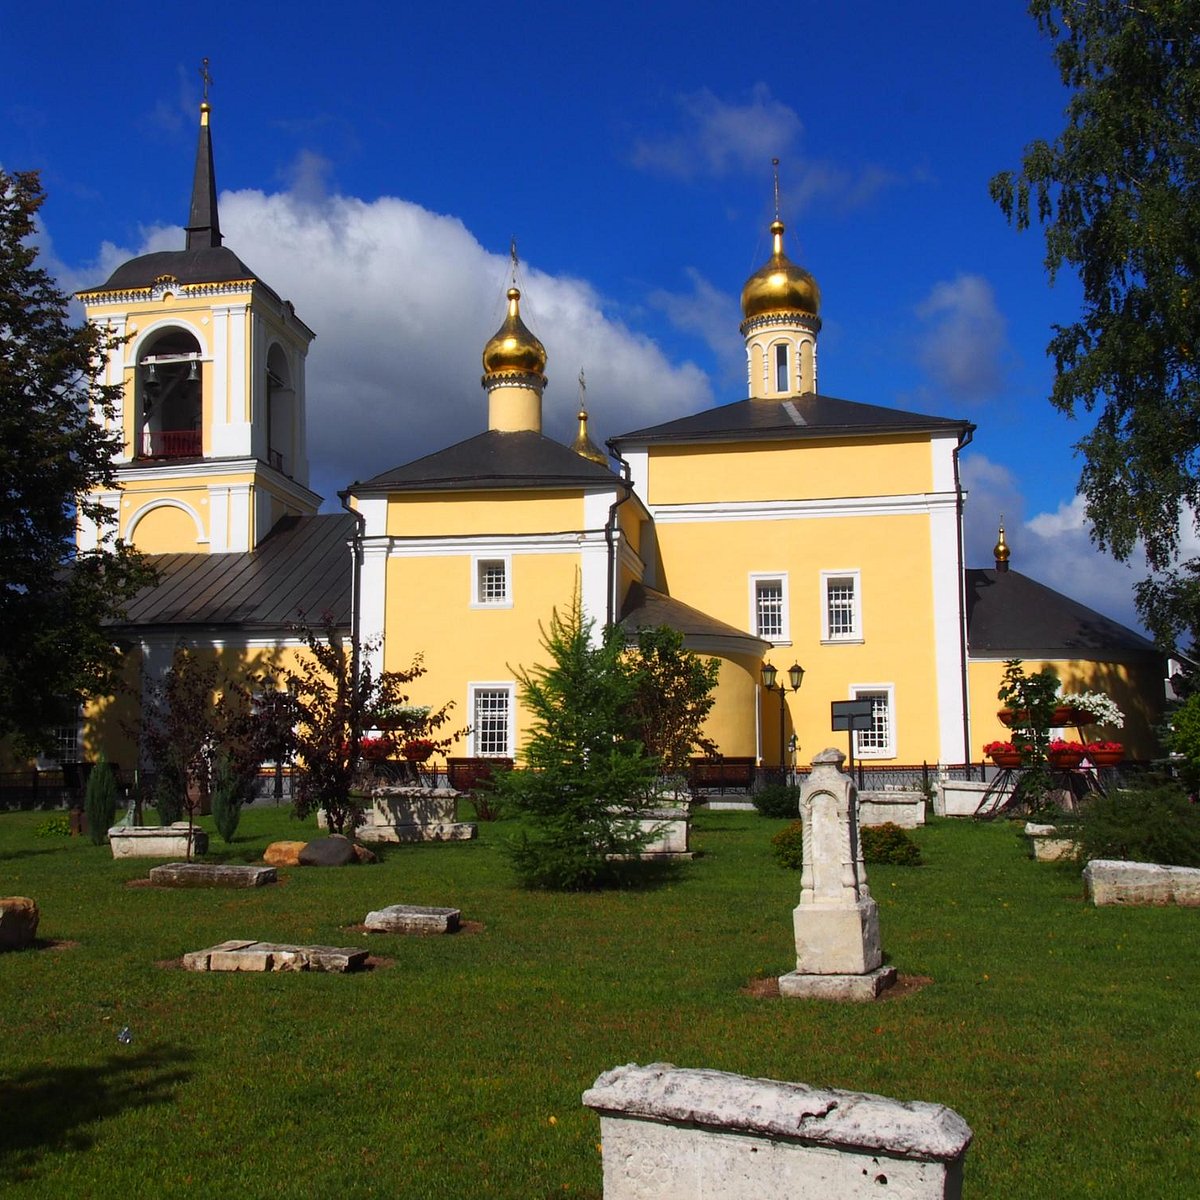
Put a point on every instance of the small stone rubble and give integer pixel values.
(19, 918)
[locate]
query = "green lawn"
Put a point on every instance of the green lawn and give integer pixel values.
(1065, 1035)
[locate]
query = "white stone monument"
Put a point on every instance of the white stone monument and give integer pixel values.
(838, 952)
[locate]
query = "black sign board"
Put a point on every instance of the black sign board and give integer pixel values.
(851, 715)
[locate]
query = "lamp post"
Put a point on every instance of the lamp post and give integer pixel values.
(796, 678)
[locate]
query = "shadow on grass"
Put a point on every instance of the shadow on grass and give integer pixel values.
(13, 854)
(48, 1110)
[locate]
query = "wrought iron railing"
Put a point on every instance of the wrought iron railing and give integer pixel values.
(172, 443)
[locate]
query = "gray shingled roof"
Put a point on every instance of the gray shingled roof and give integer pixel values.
(647, 608)
(302, 567)
(807, 416)
(494, 460)
(1011, 615)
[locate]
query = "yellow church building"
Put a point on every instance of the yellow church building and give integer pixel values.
(785, 528)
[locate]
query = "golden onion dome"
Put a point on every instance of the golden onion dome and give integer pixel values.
(780, 286)
(583, 444)
(1000, 550)
(513, 347)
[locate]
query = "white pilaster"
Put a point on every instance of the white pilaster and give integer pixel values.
(373, 601)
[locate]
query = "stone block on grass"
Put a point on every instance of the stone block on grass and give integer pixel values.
(242, 955)
(684, 1134)
(1110, 881)
(283, 854)
(18, 922)
(413, 918)
(211, 875)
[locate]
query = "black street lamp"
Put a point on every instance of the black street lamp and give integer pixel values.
(796, 678)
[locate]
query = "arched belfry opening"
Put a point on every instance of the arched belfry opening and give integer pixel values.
(281, 412)
(170, 395)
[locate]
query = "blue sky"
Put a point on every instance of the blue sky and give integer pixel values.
(374, 161)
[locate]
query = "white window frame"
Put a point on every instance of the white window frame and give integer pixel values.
(779, 577)
(828, 635)
(510, 690)
(478, 563)
(781, 360)
(860, 691)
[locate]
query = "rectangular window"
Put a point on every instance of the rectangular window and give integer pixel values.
(491, 724)
(781, 369)
(769, 607)
(841, 612)
(880, 740)
(490, 583)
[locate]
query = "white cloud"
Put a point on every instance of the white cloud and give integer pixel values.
(719, 137)
(965, 338)
(710, 314)
(403, 301)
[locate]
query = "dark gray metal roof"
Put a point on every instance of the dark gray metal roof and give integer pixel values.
(203, 227)
(647, 608)
(494, 460)
(807, 416)
(1012, 615)
(301, 569)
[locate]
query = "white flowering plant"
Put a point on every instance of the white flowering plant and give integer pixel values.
(1101, 708)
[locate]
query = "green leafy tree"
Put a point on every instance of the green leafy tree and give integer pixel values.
(332, 696)
(1182, 737)
(673, 694)
(1118, 196)
(586, 773)
(100, 801)
(54, 602)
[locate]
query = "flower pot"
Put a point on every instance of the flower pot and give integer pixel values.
(1007, 760)
(1064, 715)
(1106, 758)
(1065, 760)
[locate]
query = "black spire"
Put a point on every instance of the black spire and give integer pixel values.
(203, 228)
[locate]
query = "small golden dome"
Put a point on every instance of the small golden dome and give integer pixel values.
(1001, 551)
(583, 444)
(780, 286)
(513, 347)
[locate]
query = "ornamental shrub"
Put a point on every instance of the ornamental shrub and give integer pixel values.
(788, 845)
(777, 800)
(229, 792)
(890, 845)
(100, 801)
(1156, 825)
(56, 826)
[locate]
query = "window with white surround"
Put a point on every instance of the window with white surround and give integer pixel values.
(841, 608)
(880, 740)
(491, 583)
(492, 712)
(769, 607)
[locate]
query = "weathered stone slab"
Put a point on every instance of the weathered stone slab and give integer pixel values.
(959, 797)
(239, 955)
(211, 875)
(1107, 881)
(19, 918)
(328, 852)
(855, 989)
(675, 1134)
(903, 808)
(283, 854)
(414, 814)
(156, 841)
(413, 918)
(1047, 844)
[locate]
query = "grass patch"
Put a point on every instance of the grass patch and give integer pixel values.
(1063, 1034)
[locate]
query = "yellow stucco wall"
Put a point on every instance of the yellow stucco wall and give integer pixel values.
(710, 564)
(789, 470)
(1138, 689)
(468, 514)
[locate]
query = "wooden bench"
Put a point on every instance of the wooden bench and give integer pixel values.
(718, 774)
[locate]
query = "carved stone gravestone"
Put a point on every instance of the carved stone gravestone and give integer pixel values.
(838, 951)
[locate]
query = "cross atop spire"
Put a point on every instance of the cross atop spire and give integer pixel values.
(203, 227)
(775, 170)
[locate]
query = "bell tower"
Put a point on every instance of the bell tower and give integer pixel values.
(211, 366)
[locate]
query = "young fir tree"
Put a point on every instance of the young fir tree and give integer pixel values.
(100, 801)
(586, 773)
